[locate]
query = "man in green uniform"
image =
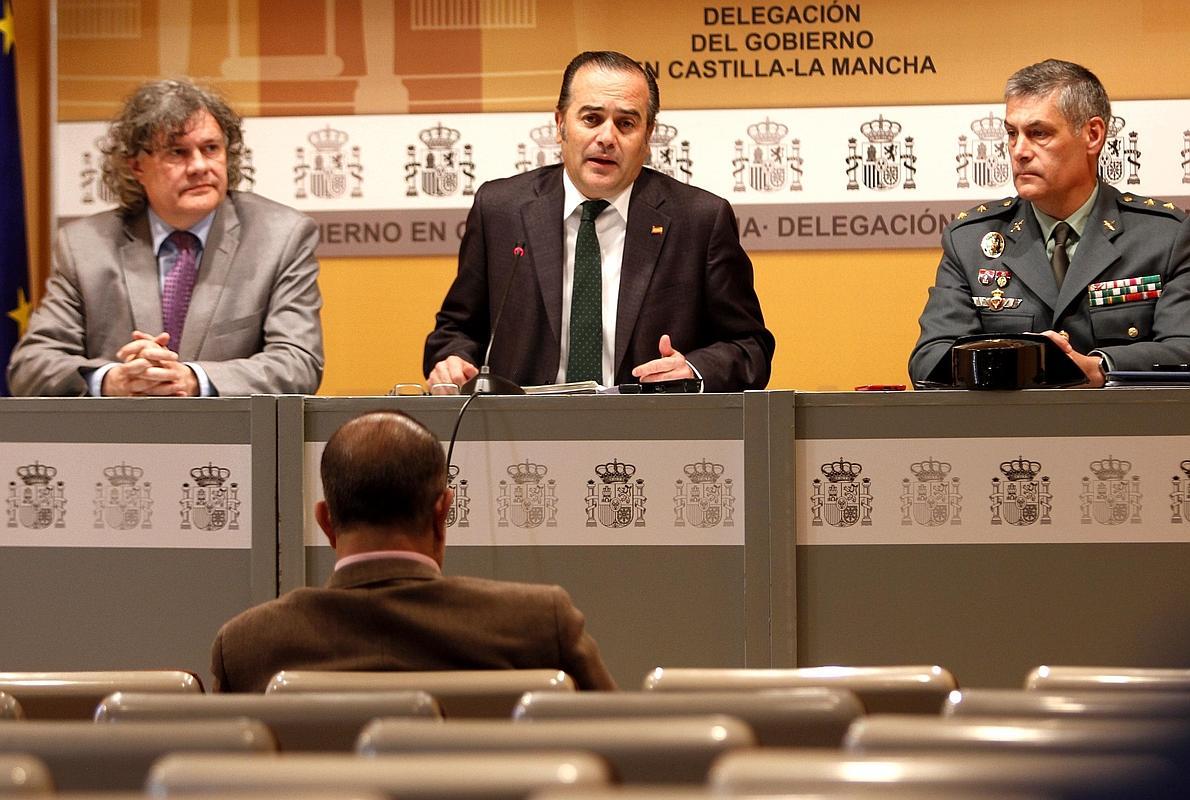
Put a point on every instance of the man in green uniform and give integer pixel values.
(1105, 275)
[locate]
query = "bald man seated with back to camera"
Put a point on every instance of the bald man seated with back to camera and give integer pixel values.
(387, 606)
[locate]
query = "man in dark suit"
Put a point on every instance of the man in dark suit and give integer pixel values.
(387, 606)
(1105, 275)
(625, 273)
(186, 288)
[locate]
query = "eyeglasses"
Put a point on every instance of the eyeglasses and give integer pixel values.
(417, 389)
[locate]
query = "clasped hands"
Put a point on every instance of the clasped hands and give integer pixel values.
(672, 365)
(148, 368)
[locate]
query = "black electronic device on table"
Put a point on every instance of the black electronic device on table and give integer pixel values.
(1159, 375)
(675, 386)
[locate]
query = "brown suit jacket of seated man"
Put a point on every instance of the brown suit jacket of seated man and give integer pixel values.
(388, 606)
(399, 614)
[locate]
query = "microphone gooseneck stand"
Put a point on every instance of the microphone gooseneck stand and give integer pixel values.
(484, 381)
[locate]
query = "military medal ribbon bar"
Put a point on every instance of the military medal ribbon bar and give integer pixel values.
(1131, 297)
(1124, 282)
(1124, 290)
(1118, 291)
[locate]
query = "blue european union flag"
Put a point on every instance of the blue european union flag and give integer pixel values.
(14, 259)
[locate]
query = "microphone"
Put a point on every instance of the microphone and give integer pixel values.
(485, 382)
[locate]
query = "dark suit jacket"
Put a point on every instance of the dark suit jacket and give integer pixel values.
(1126, 236)
(397, 614)
(684, 273)
(253, 323)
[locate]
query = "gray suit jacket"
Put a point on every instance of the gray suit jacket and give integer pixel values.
(397, 614)
(1126, 236)
(253, 322)
(684, 273)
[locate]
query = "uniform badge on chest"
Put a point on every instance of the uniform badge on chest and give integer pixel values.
(997, 302)
(999, 277)
(992, 244)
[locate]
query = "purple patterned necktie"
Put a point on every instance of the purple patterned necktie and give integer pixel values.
(179, 285)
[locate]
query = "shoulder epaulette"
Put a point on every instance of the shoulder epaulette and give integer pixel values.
(1151, 205)
(988, 210)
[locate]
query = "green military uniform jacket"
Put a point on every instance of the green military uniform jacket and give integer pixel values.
(995, 277)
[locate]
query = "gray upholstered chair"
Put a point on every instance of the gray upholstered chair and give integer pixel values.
(806, 717)
(24, 776)
(84, 756)
(74, 695)
(10, 708)
(1081, 704)
(300, 721)
(896, 689)
(462, 693)
(893, 733)
(261, 794)
(426, 776)
(641, 750)
(838, 792)
(1071, 679)
(1099, 777)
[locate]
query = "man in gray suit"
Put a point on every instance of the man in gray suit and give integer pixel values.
(387, 606)
(1105, 275)
(613, 273)
(186, 289)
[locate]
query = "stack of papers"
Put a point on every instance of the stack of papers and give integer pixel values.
(578, 387)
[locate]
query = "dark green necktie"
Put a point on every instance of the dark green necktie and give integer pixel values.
(585, 359)
(1060, 260)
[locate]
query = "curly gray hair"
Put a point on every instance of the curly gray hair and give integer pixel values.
(155, 113)
(1081, 95)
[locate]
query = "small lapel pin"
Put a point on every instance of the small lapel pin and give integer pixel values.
(657, 230)
(1110, 224)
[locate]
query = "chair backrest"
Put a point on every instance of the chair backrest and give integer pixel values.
(838, 792)
(314, 721)
(1080, 704)
(641, 750)
(83, 756)
(808, 717)
(885, 733)
(633, 792)
(74, 695)
(781, 770)
(461, 693)
(262, 794)
(1070, 679)
(429, 776)
(24, 775)
(897, 690)
(10, 708)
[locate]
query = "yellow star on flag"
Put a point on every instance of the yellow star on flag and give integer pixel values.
(6, 28)
(20, 314)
